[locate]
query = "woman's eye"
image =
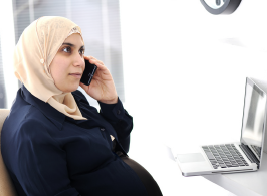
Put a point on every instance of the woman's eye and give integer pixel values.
(66, 49)
(82, 51)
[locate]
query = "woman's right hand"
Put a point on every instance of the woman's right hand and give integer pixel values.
(102, 87)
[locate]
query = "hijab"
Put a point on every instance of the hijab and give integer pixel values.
(35, 50)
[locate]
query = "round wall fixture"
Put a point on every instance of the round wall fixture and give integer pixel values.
(221, 6)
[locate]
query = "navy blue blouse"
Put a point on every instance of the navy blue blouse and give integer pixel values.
(47, 153)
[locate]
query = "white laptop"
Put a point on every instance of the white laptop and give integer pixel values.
(244, 156)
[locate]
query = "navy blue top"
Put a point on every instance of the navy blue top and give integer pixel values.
(47, 153)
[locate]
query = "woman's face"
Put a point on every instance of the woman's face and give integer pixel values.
(68, 64)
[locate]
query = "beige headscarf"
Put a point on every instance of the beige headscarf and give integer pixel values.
(33, 54)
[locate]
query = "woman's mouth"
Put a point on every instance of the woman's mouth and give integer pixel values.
(76, 75)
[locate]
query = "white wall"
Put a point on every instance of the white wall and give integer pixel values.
(7, 45)
(185, 75)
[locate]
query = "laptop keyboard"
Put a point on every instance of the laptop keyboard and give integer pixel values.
(224, 156)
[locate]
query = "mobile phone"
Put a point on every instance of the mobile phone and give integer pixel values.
(88, 72)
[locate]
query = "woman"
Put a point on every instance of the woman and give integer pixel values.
(53, 141)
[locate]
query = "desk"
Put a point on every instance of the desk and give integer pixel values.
(244, 184)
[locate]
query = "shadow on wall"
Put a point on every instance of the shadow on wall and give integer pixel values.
(2, 97)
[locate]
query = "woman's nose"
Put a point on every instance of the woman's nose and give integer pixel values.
(78, 60)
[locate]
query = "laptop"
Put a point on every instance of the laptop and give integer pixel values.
(244, 156)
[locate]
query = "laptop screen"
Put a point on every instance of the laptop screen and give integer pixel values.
(253, 118)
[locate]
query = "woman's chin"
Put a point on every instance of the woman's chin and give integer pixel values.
(71, 89)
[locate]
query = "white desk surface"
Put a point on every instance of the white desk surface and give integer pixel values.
(244, 184)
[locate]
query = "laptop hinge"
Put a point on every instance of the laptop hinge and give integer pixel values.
(250, 155)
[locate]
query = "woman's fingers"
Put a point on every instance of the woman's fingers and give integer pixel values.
(102, 71)
(101, 68)
(100, 64)
(102, 86)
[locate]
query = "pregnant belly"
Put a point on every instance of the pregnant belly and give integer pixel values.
(148, 181)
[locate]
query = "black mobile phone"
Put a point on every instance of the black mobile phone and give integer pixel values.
(88, 72)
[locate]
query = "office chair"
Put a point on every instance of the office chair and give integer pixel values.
(6, 186)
